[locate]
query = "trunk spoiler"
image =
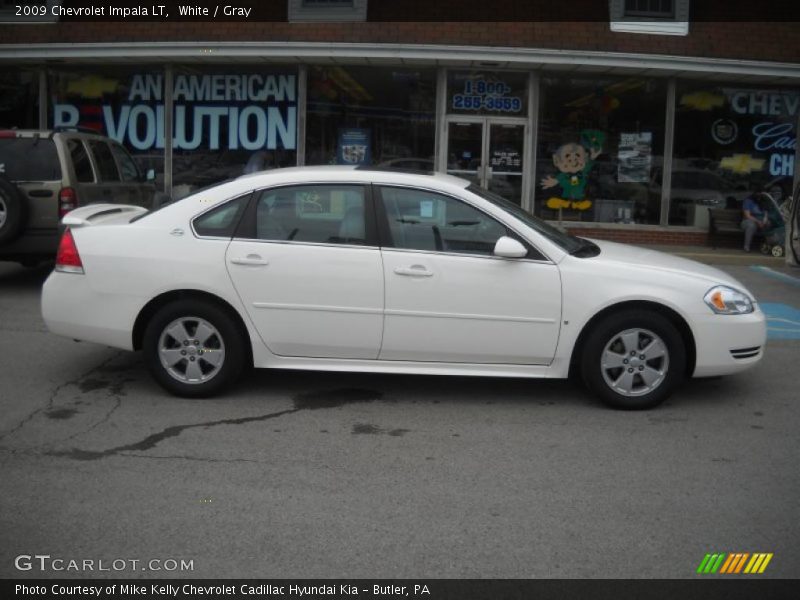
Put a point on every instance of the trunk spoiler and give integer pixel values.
(105, 214)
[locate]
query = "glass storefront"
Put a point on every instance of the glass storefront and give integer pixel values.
(730, 140)
(599, 148)
(371, 116)
(19, 90)
(599, 140)
(123, 103)
(230, 121)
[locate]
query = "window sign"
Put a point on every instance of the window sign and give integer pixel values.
(502, 94)
(250, 111)
(729, 141)
(634, 157)
(354, 147)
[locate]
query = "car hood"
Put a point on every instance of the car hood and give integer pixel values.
(652, 260)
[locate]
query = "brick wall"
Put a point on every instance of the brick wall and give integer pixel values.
(773, 41)
(665, 236)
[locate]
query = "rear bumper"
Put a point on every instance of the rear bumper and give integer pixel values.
(728, 344)
(71, 308)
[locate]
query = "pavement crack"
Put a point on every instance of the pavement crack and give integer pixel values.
(321, 399)
(192, 458)
(105, 419)
(151, 441)
(51, 399)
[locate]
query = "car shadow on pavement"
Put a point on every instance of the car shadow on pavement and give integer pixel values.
(413, 389)
(17, 277)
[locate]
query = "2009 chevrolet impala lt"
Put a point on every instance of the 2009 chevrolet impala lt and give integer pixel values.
(336, 268)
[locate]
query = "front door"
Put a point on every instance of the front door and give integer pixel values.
(488, 151)
(309, 273)
(448, 298)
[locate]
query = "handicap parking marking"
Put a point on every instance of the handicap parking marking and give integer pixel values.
(776, 275)
(783, 321)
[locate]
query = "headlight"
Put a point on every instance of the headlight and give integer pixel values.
(724, 300)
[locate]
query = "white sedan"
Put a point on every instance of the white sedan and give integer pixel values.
(343, 269)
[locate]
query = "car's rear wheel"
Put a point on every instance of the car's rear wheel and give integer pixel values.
(633, 360)
(13, 212)
(193, 348)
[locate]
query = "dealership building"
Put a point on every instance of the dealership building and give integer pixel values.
(626, 124)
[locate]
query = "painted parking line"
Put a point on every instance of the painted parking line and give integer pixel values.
(783, 321)
(776, 275)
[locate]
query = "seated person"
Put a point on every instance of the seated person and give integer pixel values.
(754, 219)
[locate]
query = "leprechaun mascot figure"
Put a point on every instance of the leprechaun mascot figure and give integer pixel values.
(574, 161)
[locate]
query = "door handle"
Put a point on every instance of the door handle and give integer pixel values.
(251, 260)
(414, 271)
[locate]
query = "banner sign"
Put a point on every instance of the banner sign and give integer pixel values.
(249, 111)
(354, 147)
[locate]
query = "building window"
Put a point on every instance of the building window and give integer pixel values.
(600, 148)
(730, 140)
(327, 10)
(657, 17)
(19, 90)
(371, 116)
(658, 9)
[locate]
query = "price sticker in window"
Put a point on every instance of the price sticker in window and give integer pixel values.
(426, 209)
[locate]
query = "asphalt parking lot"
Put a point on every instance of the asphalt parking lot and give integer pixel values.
(346, 475)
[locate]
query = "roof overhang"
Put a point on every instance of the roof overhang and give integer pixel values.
(480, 57)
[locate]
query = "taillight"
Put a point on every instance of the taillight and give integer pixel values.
(67, 201)
(68, 260)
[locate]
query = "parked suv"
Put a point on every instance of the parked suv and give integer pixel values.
(45, 174)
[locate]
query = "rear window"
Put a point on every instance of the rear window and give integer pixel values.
(29, 159)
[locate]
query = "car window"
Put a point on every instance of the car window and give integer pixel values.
(326, 214)
(222, 220)
(423, 220)
(105, 161)
(29, 159)
(80, 161)
(565, 241)
(127, 167)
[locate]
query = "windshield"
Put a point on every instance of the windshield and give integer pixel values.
(568, 243)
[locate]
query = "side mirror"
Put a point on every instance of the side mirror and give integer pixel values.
(509, 248)
(151, 175)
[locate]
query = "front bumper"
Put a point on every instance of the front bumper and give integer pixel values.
(728, 344)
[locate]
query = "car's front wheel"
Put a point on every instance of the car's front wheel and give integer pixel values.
(193, 348)
(633, 360)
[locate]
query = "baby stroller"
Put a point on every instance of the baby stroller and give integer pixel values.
(775, 233)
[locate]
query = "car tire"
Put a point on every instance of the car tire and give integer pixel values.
(193, 348)
(13, 211)
(633, 360)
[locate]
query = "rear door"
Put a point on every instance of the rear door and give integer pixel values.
(140, 192)
(110, 186)
(307, 267)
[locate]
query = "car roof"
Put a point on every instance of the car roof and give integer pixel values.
(364, 174)
(49, 133)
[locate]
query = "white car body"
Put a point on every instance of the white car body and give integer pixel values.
(353, 308)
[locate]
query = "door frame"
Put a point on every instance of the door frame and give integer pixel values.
(486, 121)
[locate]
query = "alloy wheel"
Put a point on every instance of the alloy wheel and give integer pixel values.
(634, 362)
(191, 350)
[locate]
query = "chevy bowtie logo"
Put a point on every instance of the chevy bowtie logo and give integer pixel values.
(734, 563)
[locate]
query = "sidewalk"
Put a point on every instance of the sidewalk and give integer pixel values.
(721, 256)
